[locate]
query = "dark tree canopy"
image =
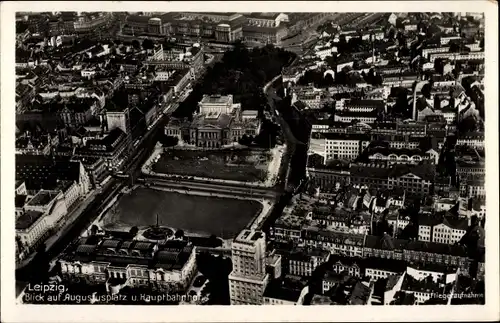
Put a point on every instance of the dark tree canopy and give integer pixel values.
(467, 124)
(147, 44)
(318, 78)
(168, 141)
(136, 44)
(179, 234)
(242, 73)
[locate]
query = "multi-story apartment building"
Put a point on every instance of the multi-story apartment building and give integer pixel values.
(445, 40)
(415, 129)
(352, 266)
(32, 229)
(403, 156)
(415, 179)
(384, 128)
(469, 168)
(112, 148)
(96, 168)
(439, 229)
(344, 146)
(36, 143)
(325, 51)
(348, 116)
(327, 178)
(337, 243)
(427, 51)
(466, 56)
(415, 251)
(357, 105)
(190, 58)
(304, 262)
(399, 141)
(376, 268)
(342, 218)
(248, 280)
(285, 292)
(78, 111)
(473, 187)
(218, 123)
(449, 231)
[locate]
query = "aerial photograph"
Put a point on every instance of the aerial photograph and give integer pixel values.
(249, 158)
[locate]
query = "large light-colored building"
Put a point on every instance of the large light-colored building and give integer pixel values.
(248, 280)
(211, 104)
(167, 267)
(339, 145)
(219, 122)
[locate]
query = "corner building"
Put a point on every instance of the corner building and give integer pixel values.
(249, 279)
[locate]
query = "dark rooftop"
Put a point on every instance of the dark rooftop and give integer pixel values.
(284, 290)
(20, 200)
(26, 220)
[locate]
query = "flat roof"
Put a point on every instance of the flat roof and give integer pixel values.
(26, 220)
(43, 197)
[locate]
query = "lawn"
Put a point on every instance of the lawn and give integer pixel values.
(208, 215)
(236, 165)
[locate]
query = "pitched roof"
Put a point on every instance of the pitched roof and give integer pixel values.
(388, 243)
(280, 290)
(360, 294)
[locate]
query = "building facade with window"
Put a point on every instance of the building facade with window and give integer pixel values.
(168, 267)
(249, 279)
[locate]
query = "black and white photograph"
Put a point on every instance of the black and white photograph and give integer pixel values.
(220, 157)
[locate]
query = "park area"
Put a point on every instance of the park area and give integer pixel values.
(228, 164)
(223, 217)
